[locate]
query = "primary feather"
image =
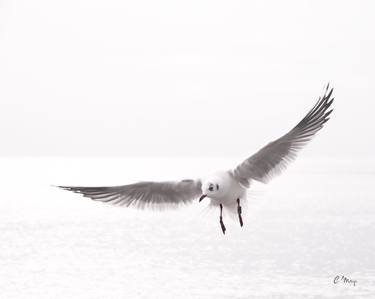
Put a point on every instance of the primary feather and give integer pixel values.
(143, 194)
(275, 156)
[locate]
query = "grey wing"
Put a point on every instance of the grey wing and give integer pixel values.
(144, 194)
(274, 157)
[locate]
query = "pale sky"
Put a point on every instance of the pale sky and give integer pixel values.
(181, 78)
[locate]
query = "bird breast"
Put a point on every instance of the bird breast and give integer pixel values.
(229, 190)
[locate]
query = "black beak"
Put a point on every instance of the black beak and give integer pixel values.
(203, 196)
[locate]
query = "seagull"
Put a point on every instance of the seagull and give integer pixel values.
(225, 189)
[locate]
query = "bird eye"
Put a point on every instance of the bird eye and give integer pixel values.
(211, 187)
(217, 186)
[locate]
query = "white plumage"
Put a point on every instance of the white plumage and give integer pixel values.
(224, 189)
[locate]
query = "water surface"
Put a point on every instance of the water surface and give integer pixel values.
(309, 225)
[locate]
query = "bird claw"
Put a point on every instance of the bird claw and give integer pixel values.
(222, 225)
(239, 212)
(240, 218)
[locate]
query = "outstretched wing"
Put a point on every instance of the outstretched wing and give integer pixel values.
(274, 157)
(143, 194)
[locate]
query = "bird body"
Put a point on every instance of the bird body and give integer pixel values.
(224, 189)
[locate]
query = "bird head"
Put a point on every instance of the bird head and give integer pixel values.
(212, 188)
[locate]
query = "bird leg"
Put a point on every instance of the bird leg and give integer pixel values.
(221, 219)
(239, 211)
